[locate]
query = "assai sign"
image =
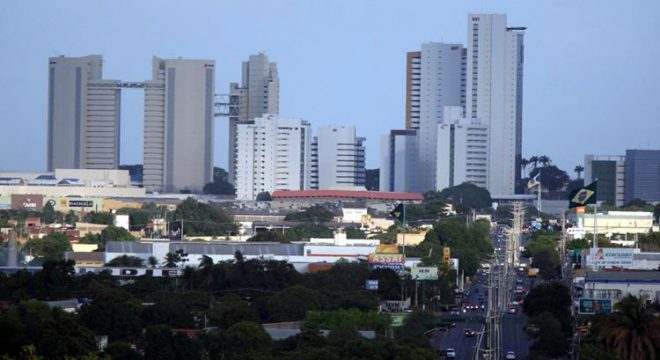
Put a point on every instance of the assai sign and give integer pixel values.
(424, 273)
(609, 257)
(593, 306)
(387, 257)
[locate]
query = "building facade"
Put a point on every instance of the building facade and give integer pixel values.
(495, 84)
(398, 161)
(83, 115)
(258, 94)
(462, 153)
(610, 172)
(179, 125)
(338, 159)
(642, 175)
(273, 153)
(440, 85)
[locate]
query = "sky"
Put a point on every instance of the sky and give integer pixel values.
(591, 70)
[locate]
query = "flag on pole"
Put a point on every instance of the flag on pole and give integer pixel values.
(583, 196)
(398, 212)
(535, 181)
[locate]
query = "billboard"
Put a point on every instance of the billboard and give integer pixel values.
(386, 259)
(398, 268)
(424, 273)
(593, 306)
(608, 257)
(27, 202)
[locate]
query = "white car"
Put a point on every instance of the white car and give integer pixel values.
(451, 353)
(510, 355)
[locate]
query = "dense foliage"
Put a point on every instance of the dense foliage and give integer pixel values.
(201, 219)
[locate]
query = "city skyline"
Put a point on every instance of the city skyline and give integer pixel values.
(566, 82)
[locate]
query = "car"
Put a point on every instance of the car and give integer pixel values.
(470, 333)
(451, 353)
(510, 355)
(512, 310)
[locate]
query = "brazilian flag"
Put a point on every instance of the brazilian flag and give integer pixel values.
(583, 196)
(398, 212)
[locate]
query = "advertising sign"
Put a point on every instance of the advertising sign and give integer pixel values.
(446, 254)
(424, 273)
(81, 203)
(580, 210)
(593, 306)
(371, 285)
(27, 202)
(398, 268)
(608, 257)
(386, 259)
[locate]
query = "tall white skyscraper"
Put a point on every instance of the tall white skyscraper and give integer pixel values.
(398, 161)
(338, 157)
(440, 85)
(83, 115)
(258, 94)
(272, 153)
(494, 83)
(178, 125)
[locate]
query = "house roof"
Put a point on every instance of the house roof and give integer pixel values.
(623, 276)
(352, 194)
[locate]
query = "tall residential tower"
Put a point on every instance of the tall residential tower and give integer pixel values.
(258, 94)
(83, 115)
(178, 125)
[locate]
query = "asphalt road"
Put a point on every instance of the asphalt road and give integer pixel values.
(455, 338)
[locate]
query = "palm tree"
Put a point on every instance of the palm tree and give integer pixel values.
(534, 160)
(544, 160)
(579, 169)
(206, 269)
(632, 330)
(152, 261)
(524, 162)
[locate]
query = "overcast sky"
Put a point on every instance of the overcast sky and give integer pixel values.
(590, 79)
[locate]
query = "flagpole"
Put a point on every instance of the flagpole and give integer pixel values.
(540, 208)
(404, 228)
(595, 244)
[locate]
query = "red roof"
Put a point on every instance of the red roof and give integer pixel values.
(354, 194)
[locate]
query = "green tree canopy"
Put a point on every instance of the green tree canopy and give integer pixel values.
(264, 196)
(100, 218)
(126, 261)
(202, 219)
(51, 247)
(467, 195)
(268, 236)
(315, 214)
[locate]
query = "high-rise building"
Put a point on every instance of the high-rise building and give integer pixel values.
(258, 94)
(413, 88)
(494, 94)
(610, 172)
(83, 115)
(398, 161)
(178, 125)
(642, 176)
(440, 84)
(338, 157)
(272, 153)
(462, 154)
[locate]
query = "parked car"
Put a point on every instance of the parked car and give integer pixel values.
(510, 355)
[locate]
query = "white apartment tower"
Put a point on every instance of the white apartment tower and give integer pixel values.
(258, 94)
(398, 165)
(494, 83)
(83, 115)
(272, 153)
(338, 157)
(178, 125)
(440, 85)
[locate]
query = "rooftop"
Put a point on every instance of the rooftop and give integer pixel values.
(623, 276)
(354, 194)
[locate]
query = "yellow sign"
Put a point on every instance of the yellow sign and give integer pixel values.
(387, 249)
(446, 254)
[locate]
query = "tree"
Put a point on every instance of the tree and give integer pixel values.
(293, 303)
(315, 214)
(173, 259)
(202, 219)
(468, 195)
(552, 178)
(578, 170)
(264, 196)
(220, 184)
(372, 180)
(534, 160)
(115, 315)
(51, 246)
(551, 341)
(524, 163)
(544, 160)
(100, 218)
(152, 261)
(632, 331)
(48, 215)
(115, 233)
(268, 236)
(246, 336)
(126, 261)
(71, 218)
(656, 212)
(546, 259)
(305, 231)
(553, 297)
(354, 233)
(231, 310)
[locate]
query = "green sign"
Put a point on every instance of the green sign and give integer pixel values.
(424, 273)
(398, 319)
(593, 306)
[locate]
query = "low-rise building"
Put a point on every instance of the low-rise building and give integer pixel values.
(615, 285)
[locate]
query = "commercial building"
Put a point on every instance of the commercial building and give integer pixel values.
(642, 175)
(615, 285)
(83, 114)
(610, 172)
(319, 196)
(398, 161)
(338, 158)
(273, 153)
(179, 125)
(494, 95)
(441, 83)
(462, 151)
(258, 94)
(618, 222)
